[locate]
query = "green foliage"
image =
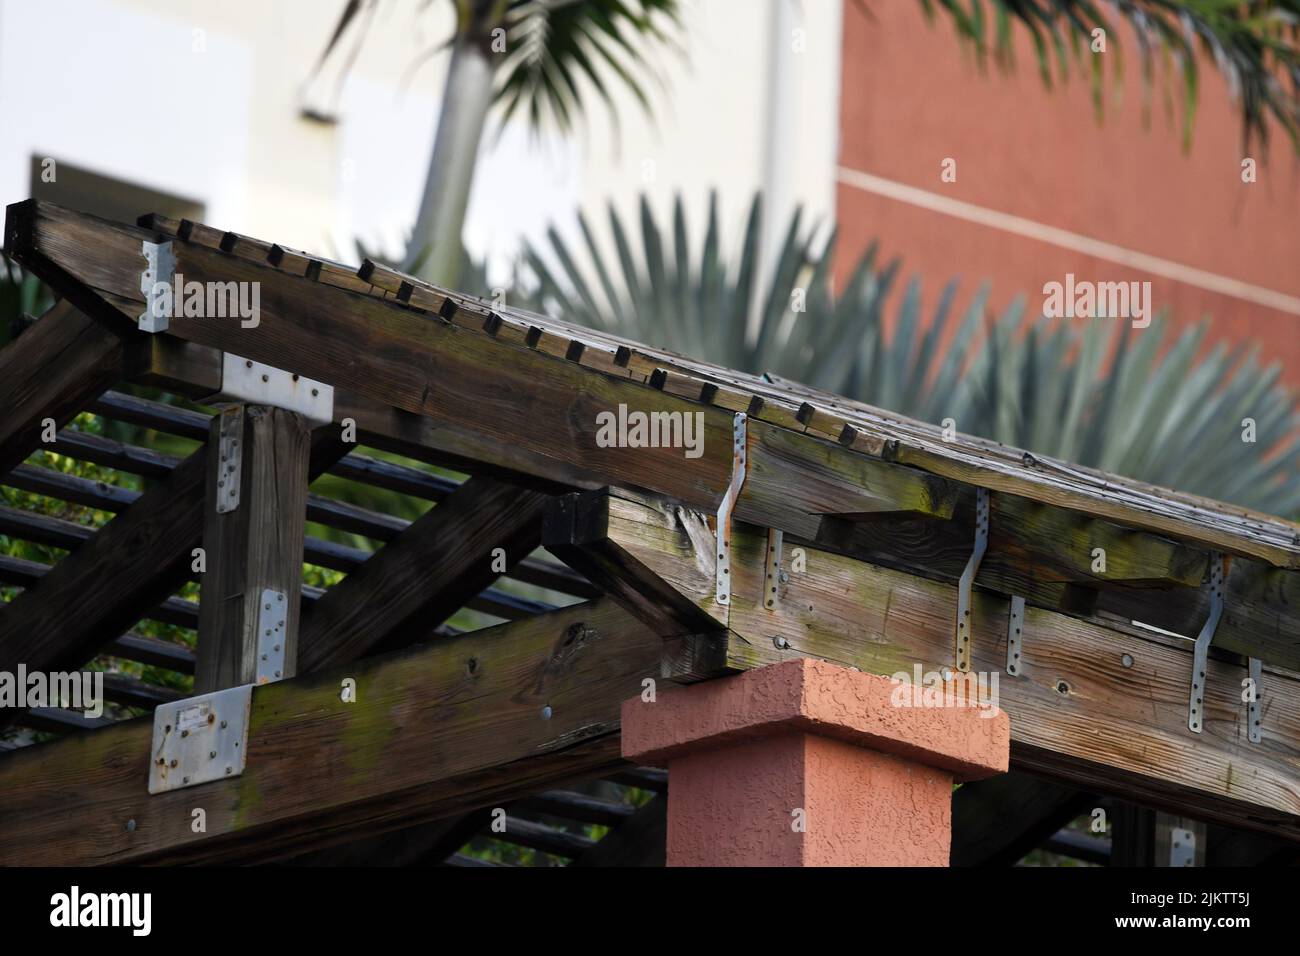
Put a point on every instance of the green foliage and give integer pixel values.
(1139, 402)
(1252, 42)
(551, 48)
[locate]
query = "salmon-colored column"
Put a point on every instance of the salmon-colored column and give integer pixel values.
(806, 763)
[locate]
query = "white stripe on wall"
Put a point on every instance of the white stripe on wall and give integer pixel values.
(1065, 239)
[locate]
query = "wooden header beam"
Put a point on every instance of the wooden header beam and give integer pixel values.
(440, 729)
(1102, 707)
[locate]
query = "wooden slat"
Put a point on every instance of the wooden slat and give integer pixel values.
(425, 738)
(129, 566)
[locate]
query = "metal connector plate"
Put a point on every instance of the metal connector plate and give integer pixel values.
(199, 739)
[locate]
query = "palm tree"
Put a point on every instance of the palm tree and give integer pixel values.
(529, 56)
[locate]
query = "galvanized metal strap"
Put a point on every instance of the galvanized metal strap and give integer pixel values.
(772, 574)
(1254, 710)
(1196, 713)
(964, 586)
(722, 568)
(1015, 628)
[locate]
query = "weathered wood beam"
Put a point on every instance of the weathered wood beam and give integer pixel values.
(257, 546)
(51, 371)
(995, 822)
(1101, 707)
(474, 396)
(454, 724)
(418, 580)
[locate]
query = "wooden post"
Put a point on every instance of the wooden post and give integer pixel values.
(255, 512)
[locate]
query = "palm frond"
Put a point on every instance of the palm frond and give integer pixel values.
(1253, 44)
(1138, 402)
(554, 47)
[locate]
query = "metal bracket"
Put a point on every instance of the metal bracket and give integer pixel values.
(772, 576)
(722, 569)
(1195, 716)
(1182, 847)
(155, 283)
(968, 578)
(231, 453)
(1253, 708)
(272, 613)
(243, 380)
(199, 739)
(1015, 625)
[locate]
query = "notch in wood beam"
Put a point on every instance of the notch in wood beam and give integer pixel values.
(967, 580)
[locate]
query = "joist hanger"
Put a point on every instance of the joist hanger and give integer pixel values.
(1196, 714)
(968, 578)
(722, 572)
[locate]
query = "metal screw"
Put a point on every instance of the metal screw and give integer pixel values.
(546, 712)
(781, 642)
(130, 826)
(1127, 660)
(784, 577)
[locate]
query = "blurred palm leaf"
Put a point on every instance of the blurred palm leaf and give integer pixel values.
(1096, 393)
(551, 48)
(1252, 43)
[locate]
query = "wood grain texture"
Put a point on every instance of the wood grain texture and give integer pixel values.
(256, 546)
(436, 730)
(1098, 706)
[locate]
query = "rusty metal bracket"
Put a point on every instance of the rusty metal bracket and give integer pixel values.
(772, 574)
(968, 578)
(722, 568)
(256, 383)
(1015, 629)
(199, 739)
(1196, 714)
(272, 614)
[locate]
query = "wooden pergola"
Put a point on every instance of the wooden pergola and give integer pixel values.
(807, 526)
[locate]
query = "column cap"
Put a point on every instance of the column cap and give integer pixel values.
(814, 696)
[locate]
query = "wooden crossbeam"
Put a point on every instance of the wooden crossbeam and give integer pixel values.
(1099, 706)
(422, 577)
(50, 372)
(436, 730)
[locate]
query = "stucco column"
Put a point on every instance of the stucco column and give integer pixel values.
(806, 763)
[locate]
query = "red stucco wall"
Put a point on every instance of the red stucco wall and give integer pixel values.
(912, 96)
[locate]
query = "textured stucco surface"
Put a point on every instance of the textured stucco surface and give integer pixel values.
(741, 805)
(822, 698)
(806, 763)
